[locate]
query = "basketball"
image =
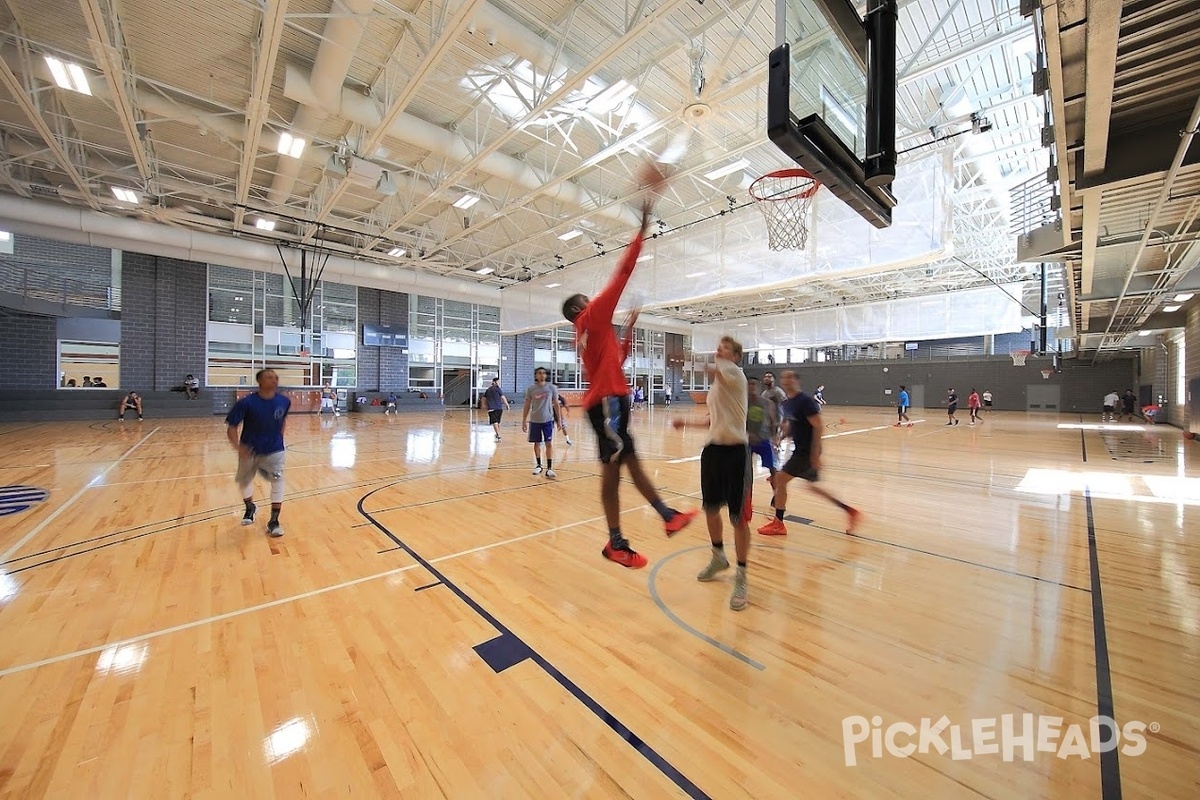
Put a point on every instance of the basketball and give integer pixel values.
(1189, 435)
(652, 177)
(842, 421)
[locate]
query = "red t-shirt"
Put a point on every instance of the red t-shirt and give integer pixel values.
(603, 359)
(973, 401)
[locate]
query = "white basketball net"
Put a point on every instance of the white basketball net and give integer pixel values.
(1019, 358)
(785, 202)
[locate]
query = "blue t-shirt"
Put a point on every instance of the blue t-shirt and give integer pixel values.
(495, 398)
(904, 399)
(796, 411)
(261, 420)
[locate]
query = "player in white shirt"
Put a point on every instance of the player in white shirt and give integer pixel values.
(1111, 401)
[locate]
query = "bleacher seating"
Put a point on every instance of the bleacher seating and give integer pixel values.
(54, 404)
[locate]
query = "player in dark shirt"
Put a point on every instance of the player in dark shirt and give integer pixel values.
(951, 406)
(802, 422)
(262, 417)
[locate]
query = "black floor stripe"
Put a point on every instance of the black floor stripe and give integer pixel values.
(1110, 767)
(508, 649)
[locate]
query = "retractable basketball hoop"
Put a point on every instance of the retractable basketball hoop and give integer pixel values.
(1046, 373)
(1018, 357)
(785, 196)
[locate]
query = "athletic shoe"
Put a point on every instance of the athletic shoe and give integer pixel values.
(716, 564)
(737, 600)
(854, 516)
(248, 517)
(774, 528)
(537, 470)
(910, 424)
(551, 473)
(624, 556)
(273, 529)
(679, 521)
(568, 441)
(497, 437)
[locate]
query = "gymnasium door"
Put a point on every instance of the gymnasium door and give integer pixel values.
(1043, 397)
(916, 397)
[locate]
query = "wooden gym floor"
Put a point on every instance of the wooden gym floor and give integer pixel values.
(437, 622)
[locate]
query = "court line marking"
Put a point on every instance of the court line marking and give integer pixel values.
(668, 770)
(1110, 765)
(312, 593)
(70, 501)
(671, 615)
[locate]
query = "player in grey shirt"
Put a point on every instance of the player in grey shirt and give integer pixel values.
(776, 397)
(540, 417)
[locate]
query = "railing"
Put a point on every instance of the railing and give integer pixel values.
(33, 283)
(1034, 204)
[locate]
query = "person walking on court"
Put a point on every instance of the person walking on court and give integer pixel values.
(130, 402)
(496, 403)
(1111, 401)
(902, 404)
(607, 398)
(1129, 404)
(819, 395)
(775, 396)
(390, 404)
(802, 422)
(329, 400)
(973, 405)
(760, 427)
(951, 406)
(725, 469)
(540, 418)
(263, 418)
(987, 400)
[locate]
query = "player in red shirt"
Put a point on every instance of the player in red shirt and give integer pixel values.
(607, 397)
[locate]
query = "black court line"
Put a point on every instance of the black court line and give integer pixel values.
(1110, 767)
(427, 586)
(945, 557)
(507, 649)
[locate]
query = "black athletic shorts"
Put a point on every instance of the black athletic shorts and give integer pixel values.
(725, 480)
(610, 421)
(950, 409)
(494, 417)
(800, 466)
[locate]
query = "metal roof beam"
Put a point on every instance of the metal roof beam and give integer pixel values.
(1103, 28)
(270, 33)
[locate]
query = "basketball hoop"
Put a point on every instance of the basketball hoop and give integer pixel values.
(1018, 357)
(1046, 373)
(785, 197)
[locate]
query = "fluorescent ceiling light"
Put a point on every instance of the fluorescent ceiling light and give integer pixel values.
(124, 195)
(466, 201)
(1170, 309)
(728, 169)
(569, 235)
(5, 236)
(646, 257)
(776, 299)
(485, 271)
(611, 97)
(68, 75)
(396, 252)
(1183, 298)
(695, 274)
(265, 224)
(743, 324)
(291, 145)
(553, 285)
(1143, 333)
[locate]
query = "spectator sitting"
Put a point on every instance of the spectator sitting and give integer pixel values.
(132, 400)
(99, 384)
(191, 387)
(87, 382)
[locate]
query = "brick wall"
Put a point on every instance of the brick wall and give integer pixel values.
(1191, 338)
(382, 368)
(30, 346)
(89, 264)
(864, 383)
(164, 315)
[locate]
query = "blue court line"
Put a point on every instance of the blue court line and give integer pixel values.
(508, 649)
(671, 615)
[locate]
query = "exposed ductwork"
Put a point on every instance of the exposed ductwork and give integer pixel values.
(364, 111)
(339, 43)
(82, 226)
